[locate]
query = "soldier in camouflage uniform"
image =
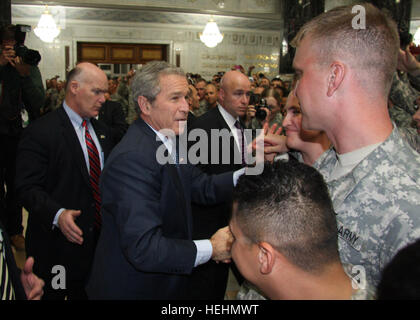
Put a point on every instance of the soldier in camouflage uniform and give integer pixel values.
(406, 81)
(400, 117)
(274, 237)
(377, 204)
(412, 136)
(372, 174)
(403, 94)
(202, 109)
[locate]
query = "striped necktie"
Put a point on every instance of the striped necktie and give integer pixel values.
(94, 173)
(241, 138)
(6, 287)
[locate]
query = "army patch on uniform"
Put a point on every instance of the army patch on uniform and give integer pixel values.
(351, 237)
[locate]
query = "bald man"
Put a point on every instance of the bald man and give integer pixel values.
(209, 280)
(59, 162)
(211, 96)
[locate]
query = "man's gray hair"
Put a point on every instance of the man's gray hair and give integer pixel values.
(146, 81)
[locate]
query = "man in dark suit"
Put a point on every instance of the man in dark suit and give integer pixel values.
(112, 114)
(146, 249)
(193, 100)
(59, 160)
(209, 280)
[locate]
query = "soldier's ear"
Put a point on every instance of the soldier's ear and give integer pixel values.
(266, 257)
(335, 77)
(144, 104)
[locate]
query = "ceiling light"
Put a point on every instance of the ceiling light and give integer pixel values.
(211, 35)
(47, 30)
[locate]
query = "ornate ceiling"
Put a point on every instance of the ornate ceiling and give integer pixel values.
(236, 14)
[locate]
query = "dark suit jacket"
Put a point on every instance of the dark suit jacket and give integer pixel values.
(207, 219)
(52, 174)
(209, 280)
(112, 114)
(14, 272)
(145, 250)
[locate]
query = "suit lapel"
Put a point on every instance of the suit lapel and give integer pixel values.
(72, 140)
(174, 173)
(101, 134)
(234, 148)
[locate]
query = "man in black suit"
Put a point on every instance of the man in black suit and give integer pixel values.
(146, 249)
(209, 280)
(112, 114)
(193, 103)
(60, 157)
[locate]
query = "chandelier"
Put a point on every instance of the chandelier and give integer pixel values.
(47, 29)
(211, 35)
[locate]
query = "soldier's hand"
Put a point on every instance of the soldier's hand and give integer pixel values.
(222, 243)
(68, 227)
(408, 63)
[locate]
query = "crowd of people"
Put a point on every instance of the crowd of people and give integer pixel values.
(116, 198)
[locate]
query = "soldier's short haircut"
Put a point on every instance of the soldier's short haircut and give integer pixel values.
(372, 50)
(288, 206)
(147, 81)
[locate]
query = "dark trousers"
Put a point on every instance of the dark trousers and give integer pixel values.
(12, 215)
(208, 281)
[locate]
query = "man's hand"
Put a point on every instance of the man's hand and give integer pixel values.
(222, 243)
(68, 227)
(7, 55)
(23, 68)
(268, 115)
(32, 285)
(408, 63)
(273, 142)
(250, 112)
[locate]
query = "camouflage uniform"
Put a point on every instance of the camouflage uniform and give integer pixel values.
(256, 124)
(363, 293)
(61, 96)
(402, 93)
(202, 109)
(415, 80)
(401, 117)
(377, 204)
(51, 99)
(248, 291)
(411, 136)
(122, 96)
(133, 111)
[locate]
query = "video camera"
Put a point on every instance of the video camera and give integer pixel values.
(259, 103)
(18, 33)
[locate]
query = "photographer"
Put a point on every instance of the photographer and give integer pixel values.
(20, 89)
(264, 107)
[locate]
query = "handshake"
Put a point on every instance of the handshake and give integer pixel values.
(221, 242)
